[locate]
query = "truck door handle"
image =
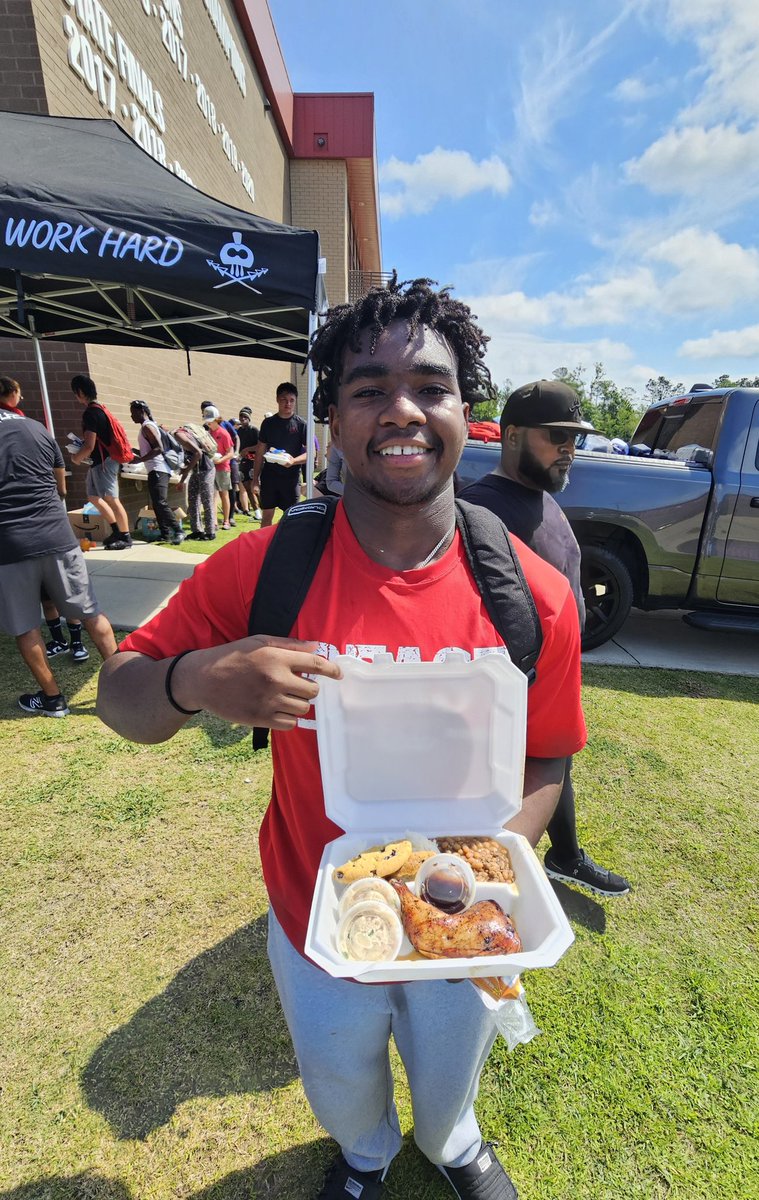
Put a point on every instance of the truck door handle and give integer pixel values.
(754, 502)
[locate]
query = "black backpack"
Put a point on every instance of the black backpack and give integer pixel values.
(296, 549)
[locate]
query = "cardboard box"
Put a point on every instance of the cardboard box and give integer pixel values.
(436, 749)
(89, 525)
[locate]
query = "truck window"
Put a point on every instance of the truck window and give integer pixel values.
(674, 426)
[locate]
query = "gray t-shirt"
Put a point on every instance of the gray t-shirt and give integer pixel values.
(33, 520)
(535, 518)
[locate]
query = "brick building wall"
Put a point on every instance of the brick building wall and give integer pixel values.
(41, 39)
(319, 198)
(22, 85)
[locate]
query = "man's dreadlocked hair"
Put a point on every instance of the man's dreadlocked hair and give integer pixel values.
(416, 303)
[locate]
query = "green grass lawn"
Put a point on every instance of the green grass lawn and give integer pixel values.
(143, 1053)
(242, 525)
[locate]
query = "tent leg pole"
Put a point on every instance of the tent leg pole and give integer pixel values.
(311, 386)
(42, 379)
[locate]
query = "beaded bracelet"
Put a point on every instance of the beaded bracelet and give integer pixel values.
(186, 712)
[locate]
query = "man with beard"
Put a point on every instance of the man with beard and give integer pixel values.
(398, 370)
(540, 424)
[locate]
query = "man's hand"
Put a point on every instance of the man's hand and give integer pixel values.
(85, 451)
(258, 680)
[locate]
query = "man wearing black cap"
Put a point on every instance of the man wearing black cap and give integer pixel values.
(540, 423)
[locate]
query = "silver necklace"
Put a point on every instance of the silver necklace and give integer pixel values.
(448, 533)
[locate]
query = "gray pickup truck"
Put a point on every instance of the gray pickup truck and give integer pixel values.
(675, 525)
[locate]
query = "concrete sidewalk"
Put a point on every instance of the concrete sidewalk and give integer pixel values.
(133, 585)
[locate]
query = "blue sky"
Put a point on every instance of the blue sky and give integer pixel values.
(586, 175)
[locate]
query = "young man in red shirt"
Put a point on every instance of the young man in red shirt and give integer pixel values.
(399, 369)
(226, 449)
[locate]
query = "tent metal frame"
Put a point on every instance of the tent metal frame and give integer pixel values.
(58, 301)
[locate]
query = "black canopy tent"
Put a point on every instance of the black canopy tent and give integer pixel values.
(100, 243)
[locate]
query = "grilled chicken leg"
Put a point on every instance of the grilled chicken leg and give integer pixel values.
(482, 929)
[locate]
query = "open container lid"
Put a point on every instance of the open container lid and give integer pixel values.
(437, 748)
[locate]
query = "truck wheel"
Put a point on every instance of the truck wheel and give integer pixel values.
(608, 592)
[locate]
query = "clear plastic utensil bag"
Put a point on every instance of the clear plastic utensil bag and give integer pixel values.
(506, 1000)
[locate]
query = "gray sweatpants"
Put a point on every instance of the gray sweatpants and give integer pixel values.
(341, 1030)
(200, 492)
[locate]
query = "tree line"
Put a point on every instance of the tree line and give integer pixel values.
(612, 410)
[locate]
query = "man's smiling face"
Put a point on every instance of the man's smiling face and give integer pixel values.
(400, 420)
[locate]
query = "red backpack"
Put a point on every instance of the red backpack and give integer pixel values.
(118, 448)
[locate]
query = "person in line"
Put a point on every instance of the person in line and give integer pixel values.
(286, 431)
(10, 394)
(225, 449)
(199, 469)
(39, 550)
(103, 475)
(540, 423)
(240, 500)
(229, 428)
(159, 471)
(401, 367)
(247, 434)
(10, 401)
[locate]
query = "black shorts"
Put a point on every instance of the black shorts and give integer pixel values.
(280, 491)
(247, 467)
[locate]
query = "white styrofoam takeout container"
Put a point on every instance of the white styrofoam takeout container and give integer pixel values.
(436, 748)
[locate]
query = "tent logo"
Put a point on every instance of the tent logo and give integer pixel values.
(236, 262)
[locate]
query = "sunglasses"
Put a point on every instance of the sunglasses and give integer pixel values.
(558, 437)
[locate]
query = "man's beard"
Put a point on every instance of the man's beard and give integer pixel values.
(530, 468)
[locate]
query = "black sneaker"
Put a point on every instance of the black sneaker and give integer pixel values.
(177, 538)
(79, 652)
(482, 1179)
(195, 536)
(118, 544)
(40, 705)
(587, 874)
(343, 1183)
(54, 648)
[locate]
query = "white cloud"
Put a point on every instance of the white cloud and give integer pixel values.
(727, 35)
(741, 343)
(684, 160)
(543, 214)
(551, 72)
(635, 90)
(613, 301)
(519, 356)
(513, 310)
(711, 274)
(416, 187)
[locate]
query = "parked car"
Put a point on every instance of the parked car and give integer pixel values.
(673, 525)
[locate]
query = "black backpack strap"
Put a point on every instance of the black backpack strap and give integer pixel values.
(287, 573)
(501, 583)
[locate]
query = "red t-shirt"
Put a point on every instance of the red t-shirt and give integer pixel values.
(224, 444)
(355, 606)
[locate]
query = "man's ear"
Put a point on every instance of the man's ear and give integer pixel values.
(467, 411)
(510, 436)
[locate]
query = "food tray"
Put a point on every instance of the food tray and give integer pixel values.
(437, 748)
(531, 903)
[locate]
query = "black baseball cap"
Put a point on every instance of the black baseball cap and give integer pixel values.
(546, 402)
